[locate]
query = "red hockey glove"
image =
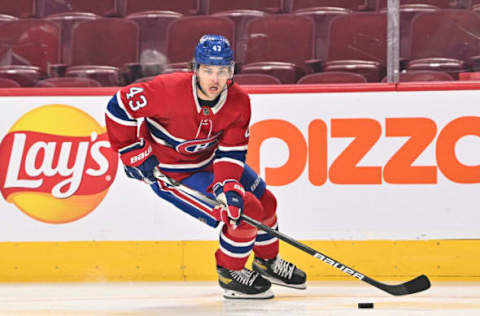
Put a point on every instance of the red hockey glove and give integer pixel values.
(230, 194)
(139, 162)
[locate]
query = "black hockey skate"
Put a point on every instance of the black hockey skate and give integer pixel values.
(243, 284)
(280, 272)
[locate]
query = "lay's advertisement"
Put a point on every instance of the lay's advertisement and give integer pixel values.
(58, 162)
(343, 166)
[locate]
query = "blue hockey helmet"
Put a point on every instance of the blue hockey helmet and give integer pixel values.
(213, 50)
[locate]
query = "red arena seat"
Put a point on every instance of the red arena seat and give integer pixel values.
(283, 38)
(29, 42)
(449, 65)
(322, 17)
(67, 82)
(474, 3)
(254, 79)
(354, 5)
(332, 77)
(99, 7)
(6, 18)
(358, 42)
(67, 21)
(179, 67)
(8, 83)
(442, 4)
(115, 52)
(359, 36)
(270, 6)
(107, 76)
(423, 75)
(18, 8)
(183, 34)
(98, 42)
(153, 27)
(445, 34)
(373, 71)
(407, 13)
(25, 76)
(186, 7)
(285, 72)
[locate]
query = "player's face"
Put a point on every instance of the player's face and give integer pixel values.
(212, 80)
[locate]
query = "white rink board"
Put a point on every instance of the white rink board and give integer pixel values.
(131, 211)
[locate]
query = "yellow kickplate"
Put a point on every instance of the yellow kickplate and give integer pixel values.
(195, 260)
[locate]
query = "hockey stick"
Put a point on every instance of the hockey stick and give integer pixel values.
(415, 285)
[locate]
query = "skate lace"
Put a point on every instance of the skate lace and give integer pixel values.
(244, 276)
(283, 268)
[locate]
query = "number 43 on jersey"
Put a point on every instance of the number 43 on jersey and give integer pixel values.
(136, 99)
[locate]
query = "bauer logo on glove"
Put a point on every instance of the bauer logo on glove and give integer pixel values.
(139, 161)
(141, 156)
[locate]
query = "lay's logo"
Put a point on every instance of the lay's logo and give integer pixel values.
(58, 164)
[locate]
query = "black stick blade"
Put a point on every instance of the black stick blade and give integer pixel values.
(420, 283)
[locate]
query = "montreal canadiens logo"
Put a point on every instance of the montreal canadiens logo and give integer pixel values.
(195, 146)
(58, 164)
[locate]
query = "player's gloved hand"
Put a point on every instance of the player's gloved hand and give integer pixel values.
(139, 162)
(230, 194)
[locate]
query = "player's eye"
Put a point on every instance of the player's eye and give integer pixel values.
(223, 73)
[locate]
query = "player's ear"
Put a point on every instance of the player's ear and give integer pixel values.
(193, 66)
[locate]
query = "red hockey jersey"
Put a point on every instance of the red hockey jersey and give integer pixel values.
(185, 136)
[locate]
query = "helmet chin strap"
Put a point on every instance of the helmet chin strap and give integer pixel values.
(229, 84)
(197, 83)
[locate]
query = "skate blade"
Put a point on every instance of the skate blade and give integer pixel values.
(230, 294)
(301, 286)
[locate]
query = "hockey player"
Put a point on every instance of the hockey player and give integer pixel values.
(193, 127)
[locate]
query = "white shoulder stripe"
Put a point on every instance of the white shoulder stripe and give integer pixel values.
(234, 161)
(233, 148)
(122, 106)
(120, 121)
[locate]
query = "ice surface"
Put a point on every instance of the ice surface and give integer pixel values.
(205, 298)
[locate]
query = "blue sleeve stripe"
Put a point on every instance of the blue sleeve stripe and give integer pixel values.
(118, 96)
(239, 155)
(119, 115)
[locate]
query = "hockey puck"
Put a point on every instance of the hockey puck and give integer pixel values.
(365, 305)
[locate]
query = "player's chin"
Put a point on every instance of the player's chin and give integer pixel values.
(213, 91)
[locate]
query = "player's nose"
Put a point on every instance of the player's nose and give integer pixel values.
(214, 78)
